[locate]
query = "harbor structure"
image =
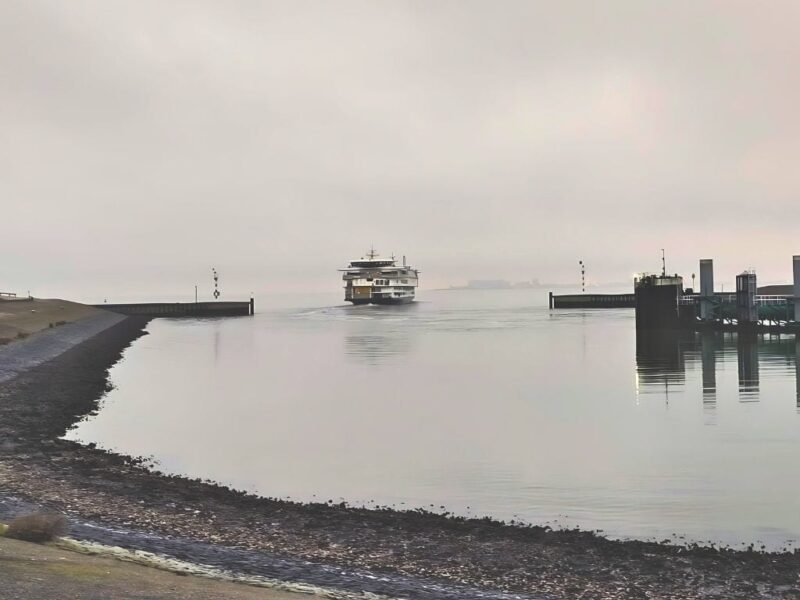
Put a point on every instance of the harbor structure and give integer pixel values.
(216, 308)
(657, 300)
(662, 303)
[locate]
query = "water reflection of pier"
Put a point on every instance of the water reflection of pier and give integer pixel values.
(663, 358)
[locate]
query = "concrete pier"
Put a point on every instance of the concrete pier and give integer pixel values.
(183, 309)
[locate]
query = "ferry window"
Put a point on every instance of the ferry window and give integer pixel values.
(405, 280)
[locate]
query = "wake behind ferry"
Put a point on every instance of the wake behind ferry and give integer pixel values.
(374, 280)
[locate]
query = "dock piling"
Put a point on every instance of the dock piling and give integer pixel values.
(706, 289)
(746, 288)
(796, 289)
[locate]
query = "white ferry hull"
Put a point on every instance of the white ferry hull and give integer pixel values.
(383, 301)
(407, 300)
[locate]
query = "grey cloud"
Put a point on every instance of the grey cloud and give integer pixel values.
(145, 141)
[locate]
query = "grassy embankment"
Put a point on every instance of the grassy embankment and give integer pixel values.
(21, 318)
(45, 571)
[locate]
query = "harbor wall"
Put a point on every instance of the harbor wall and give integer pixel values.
(183, 309)
(592, 300)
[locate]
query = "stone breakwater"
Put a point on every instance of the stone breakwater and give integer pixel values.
(406, 554)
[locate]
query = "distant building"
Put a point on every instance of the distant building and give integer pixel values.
(776, 290)
(533, 284)
(497, 284)
(488, 284)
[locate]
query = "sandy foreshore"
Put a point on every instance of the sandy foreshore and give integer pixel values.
(401, 554)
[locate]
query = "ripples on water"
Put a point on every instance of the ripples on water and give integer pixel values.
(479, 403)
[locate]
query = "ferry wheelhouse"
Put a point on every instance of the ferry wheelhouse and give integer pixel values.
(375, 280)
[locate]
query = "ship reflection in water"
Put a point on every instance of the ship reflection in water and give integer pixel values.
(662, 360)
(374, 350)
(379, 335)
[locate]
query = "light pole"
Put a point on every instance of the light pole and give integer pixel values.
(583, 276)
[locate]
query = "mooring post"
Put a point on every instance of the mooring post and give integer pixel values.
(706, 289)
(746, 286)
(796, 261)
(797, 366)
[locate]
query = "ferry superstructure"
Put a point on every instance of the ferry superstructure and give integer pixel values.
(375, 280)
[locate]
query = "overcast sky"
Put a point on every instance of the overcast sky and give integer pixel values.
(143, 142)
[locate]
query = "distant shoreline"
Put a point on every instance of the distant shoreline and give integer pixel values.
(407, 549)
(540, 288)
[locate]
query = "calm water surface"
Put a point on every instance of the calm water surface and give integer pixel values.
(477, 402)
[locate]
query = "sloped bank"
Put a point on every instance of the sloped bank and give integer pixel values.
(408, 554)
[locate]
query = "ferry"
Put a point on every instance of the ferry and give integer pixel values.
(375, 280)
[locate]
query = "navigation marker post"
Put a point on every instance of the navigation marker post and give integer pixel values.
(216, 283)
